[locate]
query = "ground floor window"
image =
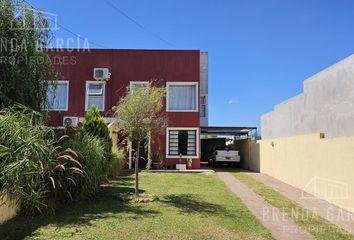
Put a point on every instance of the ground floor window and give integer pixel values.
(182, 142)
(58, 95)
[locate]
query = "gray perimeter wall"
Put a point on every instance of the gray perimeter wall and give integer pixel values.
(325, 106)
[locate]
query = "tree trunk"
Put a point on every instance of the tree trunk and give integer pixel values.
(137, 168)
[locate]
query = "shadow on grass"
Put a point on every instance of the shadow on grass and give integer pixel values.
(190, 204)
(79, 214)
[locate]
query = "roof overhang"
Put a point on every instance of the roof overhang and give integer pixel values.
(228, 131)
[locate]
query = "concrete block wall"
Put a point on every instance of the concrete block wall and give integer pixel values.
(320, 166)
(325, 106)
(249, 151)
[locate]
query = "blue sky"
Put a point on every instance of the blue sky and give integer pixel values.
(260, 51)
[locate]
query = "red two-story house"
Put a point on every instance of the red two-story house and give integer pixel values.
(184, 73)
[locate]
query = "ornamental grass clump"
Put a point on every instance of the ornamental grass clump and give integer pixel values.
(92, 156)
(34, 168)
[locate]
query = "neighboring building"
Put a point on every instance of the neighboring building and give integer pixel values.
(308, 140)
(325, 106)
(183, 72)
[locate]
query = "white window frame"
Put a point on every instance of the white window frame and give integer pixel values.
(138, 83)
(168, 84)
(168, 129)
(103, 94)
(67, 96)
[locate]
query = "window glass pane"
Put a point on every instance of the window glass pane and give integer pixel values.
(202, 110)
(202, 100)
(182, 142)
(57, 96)
(95, 89)
(202, 106)
(135, 86)
(95, 100)
(192, 140)
(182, 97)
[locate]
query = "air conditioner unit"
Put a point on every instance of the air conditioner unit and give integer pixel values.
(101, 74)
(70, 121)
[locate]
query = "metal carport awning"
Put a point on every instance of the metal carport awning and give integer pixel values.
(229, 131)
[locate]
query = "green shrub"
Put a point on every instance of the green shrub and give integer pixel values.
(33, 168)
(92, 156)
(116, 162)
(95, 125)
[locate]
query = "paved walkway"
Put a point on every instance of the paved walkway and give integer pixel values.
(181, 171)
(332, 213)
(278, 224)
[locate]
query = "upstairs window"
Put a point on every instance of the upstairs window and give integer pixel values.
(203, 106)
(134, 85)
(182, 97)
(95, 95)
(58, 96)
(182, 142)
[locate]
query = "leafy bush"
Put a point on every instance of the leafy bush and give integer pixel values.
(116, 162)
(95, 125)
(33, 167)
(92, 156)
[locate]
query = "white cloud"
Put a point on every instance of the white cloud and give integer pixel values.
(233, 101)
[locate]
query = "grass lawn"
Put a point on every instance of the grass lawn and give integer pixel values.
(191, 206)
(319, 227)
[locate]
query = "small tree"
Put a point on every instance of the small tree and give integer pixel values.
(139, 114)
